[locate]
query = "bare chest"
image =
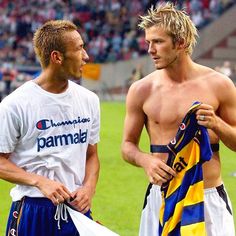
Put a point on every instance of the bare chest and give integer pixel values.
(166, 107)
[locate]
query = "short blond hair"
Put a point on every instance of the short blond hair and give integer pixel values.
(176, 23)
(49, 37)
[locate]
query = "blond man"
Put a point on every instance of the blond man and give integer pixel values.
(160, 101)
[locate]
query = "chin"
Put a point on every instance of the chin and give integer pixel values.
(77, 77)
(159, 67)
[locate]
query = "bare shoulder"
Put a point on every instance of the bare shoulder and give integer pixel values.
(221, 85)
(215, 78)
(145, 84)
(140, 90)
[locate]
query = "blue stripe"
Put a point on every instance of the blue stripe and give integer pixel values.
(193, 214)
(175, 231)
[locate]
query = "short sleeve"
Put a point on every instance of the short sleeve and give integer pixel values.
(10, 129)
(95, 128)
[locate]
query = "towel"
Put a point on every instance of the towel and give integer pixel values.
(88, 227)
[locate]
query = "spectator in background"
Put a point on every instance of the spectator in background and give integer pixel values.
(136, 74)
(8, 76)
(226, 68)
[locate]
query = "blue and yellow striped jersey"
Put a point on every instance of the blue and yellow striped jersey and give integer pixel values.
(182, 210)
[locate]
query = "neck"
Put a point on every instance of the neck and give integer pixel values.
(51, 82)
(181, 70)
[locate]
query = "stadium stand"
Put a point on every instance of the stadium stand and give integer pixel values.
(109, 27)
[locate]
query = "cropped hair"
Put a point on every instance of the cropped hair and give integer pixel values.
(175, 22)
(50, 37)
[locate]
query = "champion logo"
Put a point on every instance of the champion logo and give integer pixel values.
(182, 126)
(42, 124)
(46, 123)
(15, 214)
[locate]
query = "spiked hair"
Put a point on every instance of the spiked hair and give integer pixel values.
(176, 23)
(49, 37)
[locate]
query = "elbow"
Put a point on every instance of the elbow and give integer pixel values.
(233, 148)
(124, 154)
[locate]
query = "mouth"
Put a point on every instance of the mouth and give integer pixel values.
(156, 59)
(81, 67)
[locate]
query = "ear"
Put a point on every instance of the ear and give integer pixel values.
(181, 44)
(56, 57)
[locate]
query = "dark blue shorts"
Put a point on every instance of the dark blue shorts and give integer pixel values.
(35, 217)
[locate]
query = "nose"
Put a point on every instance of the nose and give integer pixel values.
(151, 48)
(85, 55)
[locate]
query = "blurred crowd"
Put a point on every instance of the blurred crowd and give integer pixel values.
(10, 79)
(109, 27)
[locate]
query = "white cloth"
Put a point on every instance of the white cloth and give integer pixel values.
(149, 224)
(88, 227)
(219, 221)
(48, 134)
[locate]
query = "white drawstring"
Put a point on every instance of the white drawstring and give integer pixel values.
(61, 214)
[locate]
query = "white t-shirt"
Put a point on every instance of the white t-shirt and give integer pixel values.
(48, 134)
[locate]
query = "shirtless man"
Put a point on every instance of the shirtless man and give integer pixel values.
(159, 102)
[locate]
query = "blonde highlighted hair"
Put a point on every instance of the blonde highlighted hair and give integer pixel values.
(50, 37)
(176, 23)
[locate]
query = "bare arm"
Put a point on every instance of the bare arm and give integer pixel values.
(83, 196)
(157, 171)
(224, 122)
(14, 174)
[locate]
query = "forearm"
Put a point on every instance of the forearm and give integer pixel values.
(92, 172)
(132, 154)
(14, 174)
(226, 133)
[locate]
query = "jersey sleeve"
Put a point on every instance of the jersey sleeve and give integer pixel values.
(10, 129)
(95, 128)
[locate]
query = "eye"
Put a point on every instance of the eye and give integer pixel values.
(158, 41)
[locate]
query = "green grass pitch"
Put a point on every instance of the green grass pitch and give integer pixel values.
(121, 187)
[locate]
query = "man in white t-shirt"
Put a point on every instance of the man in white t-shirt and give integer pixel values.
(48, 146)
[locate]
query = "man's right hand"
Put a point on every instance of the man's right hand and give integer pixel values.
(157, 170)
(53, 190)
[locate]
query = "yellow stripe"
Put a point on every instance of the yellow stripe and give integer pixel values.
(193, 107)
(194, 229)
(195, 194)
(194, 154)
(173, 221)
(161, 212)
(180, 140)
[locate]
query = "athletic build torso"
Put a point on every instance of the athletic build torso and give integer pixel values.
(166, 104)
